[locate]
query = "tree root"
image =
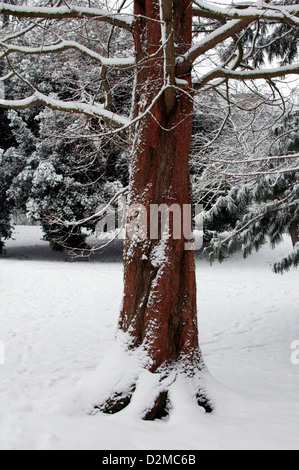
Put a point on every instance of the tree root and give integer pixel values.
(130, 385)
(204, 402)
(159, 410)
(158, 407)
(115, 403)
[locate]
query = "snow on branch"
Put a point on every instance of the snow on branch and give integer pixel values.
(252, 11)
(64, 45)
(264, 173)
(23, 31)
(233, 21)
(7, 77)
(247, 75)
(97, 215)
(265, 159)
(93, 110)
(211, 40)
(66, 12)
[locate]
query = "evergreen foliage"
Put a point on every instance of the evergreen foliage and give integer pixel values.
(65, 168)
(266, 208)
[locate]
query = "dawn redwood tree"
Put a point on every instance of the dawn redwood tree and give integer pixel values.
(158, 320)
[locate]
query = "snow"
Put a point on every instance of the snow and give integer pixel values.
(266, 11)
(96, 110)
(124, 21)
(158, 255)
(121, 62)
(207, 42)
(58, 325)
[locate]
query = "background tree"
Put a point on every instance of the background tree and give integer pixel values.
(266, 207)
(158, 321)
(67, 169)
(63, 178)
(10, 165)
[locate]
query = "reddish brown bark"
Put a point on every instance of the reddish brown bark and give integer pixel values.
(159, 307)
(294, 234)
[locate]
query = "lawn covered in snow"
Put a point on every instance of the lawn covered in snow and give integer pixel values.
(58, 322)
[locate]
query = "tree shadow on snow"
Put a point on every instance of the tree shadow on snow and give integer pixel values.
(35, 249)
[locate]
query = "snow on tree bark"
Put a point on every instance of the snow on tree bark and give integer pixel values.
(159, 307)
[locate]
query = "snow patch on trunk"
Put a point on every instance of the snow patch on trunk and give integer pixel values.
(159, 253)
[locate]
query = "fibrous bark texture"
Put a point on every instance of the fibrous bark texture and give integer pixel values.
(159, 309)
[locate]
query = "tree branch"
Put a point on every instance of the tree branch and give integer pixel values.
(247, 75)
(270, 12)
(210, 41)
(67, 12)
(94, 110)
(64, 45)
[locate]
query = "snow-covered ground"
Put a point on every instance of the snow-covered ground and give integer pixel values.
(58, 321)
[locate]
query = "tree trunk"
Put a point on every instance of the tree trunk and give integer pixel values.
(294, 234)
(159, 311)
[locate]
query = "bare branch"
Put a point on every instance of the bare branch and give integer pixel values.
(66, 12)
(64, 45)
(247, 75)
(93, 110)
(210, 41)
(98, 214)
(270, 12)
(7, 77)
